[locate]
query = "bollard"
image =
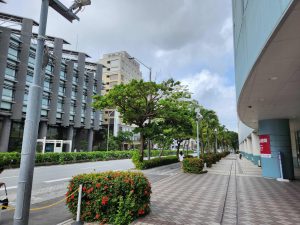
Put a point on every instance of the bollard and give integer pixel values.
(78, 222)
(280, 168)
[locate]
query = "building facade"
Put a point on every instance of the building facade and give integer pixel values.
(69, 83)
(267, 62)
(118, 67)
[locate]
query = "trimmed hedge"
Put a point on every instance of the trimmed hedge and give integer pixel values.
(110, 197)
(192, 165)
(147, 164)
(12, 159)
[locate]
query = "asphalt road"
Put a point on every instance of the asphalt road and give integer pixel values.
(50, 185)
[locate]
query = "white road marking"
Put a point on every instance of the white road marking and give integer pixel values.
(66, 222)
(9, 188)
(8, 177)
(58, 180)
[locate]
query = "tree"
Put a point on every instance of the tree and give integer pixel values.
(139, 102)
(178, 120)
(123, 137)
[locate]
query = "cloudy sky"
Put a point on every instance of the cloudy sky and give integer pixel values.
(188, 40)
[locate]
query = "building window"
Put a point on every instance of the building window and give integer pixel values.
(75, 79)
(5, 105)
(58, 115)
(60, 104)
(7, 92)
(25, 98)
(45, 102)
(49, 69)
(71, 118)
(29, 77)
(10, 72)
(44, 113)
(114, 69)
(13, 53)
(63, 75)
(113, 77)
(61, 89)
(31, 61)
(47, 85)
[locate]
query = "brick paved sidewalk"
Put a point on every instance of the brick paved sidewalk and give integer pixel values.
(200, 199)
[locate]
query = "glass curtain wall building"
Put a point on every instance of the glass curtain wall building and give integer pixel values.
(69, 83)
(267, 68)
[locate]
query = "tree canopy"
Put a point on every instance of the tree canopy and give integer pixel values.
(165, 112)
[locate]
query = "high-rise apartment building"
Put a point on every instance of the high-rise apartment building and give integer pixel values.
(118, 67)
(69, 83)
(267, 68)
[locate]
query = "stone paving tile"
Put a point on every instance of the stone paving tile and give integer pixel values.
(199, 199)
(186, 199)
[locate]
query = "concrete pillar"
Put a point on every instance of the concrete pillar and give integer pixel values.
(81, 72)
(68, 94)
(4, 134)
(4, 46)
(249, 147)
(99, 88)
(87, 120)
(90, 140)
(246, 148)
(255, 148)
(57, 52)
(280, 142)
(70, 134)
(20, 86)
(43, 129)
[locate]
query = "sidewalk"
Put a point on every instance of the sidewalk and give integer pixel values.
(232, 192)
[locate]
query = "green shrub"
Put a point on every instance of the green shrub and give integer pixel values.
(147, 164)
(192, 165)
(8, 159)
(110, 197)
(12, 159)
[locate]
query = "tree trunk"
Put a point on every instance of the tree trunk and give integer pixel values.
(142, 147)
(161, 152)
(178, 148)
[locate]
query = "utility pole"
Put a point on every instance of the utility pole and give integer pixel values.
(32, 120)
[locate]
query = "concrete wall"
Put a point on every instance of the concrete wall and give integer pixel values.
(254, 21)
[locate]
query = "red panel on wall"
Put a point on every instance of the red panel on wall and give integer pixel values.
(265, 147)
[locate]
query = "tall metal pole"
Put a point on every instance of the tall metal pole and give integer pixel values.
(149, 142)
(216, 142)
(107, 134)
(21, 215)
(109, 114)
(198, 145)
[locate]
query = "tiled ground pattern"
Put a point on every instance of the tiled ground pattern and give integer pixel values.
(230, 209)
(199, 199)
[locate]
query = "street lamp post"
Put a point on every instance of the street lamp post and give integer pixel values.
(107, 142)
(21, 215)
(150, 77)
(198, 117)
(216, 144)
